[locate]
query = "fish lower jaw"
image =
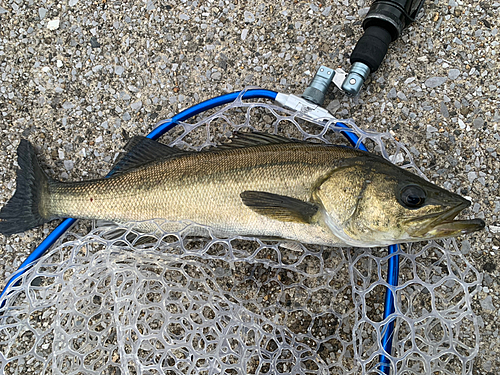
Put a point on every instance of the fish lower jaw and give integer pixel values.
(445, 228)
(456, 228)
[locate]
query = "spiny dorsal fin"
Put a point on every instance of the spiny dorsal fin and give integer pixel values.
(279, 207)
(240, 140)
(141, 150)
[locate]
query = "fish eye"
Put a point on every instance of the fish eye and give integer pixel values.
(413, 196)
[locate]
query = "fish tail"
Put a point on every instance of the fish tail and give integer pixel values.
(25, 209)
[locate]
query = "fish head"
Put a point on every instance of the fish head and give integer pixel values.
(371, 202)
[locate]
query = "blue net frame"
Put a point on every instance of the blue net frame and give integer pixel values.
(166, 125)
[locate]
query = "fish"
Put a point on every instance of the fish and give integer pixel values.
(257, 184)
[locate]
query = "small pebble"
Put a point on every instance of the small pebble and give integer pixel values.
(471, 176)
(333, 106)
(244, 34)
(42, 12)
(363, 12)
(326, 11)
(249, 17)
(216, 76)
(435, 81)
(68, 164)
(478, 123)
(465, 247)
(136, 105)
(53, 24)
(402, 96)
(444, 110)
(119, 70)
(94, 43)
(487, 303)
(68, 105)
(392, 94)
(453, 73)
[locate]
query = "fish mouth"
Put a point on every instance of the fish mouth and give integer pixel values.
(439, 225)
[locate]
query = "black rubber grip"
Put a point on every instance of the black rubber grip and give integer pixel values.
(372, 47)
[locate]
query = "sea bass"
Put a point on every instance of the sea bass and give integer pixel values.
(257, 185)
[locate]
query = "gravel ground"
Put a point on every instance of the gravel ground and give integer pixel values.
(79, 77)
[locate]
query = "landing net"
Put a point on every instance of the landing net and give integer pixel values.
(112, 300)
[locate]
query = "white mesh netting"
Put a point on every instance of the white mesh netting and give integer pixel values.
(111, 300)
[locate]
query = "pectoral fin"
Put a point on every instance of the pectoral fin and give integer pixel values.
(279, 207)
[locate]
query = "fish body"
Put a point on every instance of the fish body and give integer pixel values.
(258, 185)
(205, 188)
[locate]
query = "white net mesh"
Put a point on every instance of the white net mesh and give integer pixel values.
(111, 300)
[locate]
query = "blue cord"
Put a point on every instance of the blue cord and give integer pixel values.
(388, 330)
(351, 137)
(165, 126)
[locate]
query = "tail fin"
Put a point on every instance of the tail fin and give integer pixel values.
(22, 211)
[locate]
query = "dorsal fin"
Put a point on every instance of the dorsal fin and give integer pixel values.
(141, 150)
(249, 139)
